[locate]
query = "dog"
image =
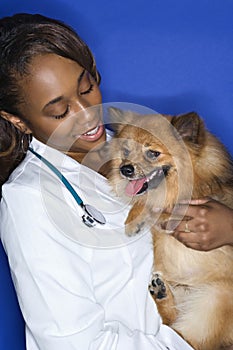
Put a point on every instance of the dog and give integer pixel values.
(156, 162)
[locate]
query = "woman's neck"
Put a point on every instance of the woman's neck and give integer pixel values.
(93, 160)
(76, 156)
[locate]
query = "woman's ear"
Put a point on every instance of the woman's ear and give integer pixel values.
(16, 121)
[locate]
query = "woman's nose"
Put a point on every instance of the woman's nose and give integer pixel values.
(81, 104)
(84, 110)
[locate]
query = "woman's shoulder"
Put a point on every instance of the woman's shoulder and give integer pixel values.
(29, 172)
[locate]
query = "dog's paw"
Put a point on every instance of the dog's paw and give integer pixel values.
(157, 287)
(133, 228)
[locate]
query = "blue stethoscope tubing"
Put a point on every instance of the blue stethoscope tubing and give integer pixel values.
(91, 215)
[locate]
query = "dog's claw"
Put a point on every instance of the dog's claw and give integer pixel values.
(139, 227)
(157, 287)
(132, 230)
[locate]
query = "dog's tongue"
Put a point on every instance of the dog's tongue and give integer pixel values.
(134, 186)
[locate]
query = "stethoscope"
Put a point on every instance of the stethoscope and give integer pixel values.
(91, 215)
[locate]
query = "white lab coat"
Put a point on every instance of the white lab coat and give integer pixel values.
(78, 287)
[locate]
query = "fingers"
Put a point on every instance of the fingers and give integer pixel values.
(197, 241)
(171, 225)
(182, 210)
(204, 220)
(199, 201)
(198, 224)
(195, 219)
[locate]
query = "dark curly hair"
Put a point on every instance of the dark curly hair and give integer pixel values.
(22, 37)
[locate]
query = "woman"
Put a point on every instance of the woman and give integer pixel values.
(78, 287)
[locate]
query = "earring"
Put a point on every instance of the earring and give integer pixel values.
(25, 140)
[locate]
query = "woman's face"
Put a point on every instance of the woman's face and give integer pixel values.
(57, 95)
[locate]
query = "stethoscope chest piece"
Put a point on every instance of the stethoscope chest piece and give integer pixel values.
(92, 216)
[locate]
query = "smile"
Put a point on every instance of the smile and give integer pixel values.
(93, 134)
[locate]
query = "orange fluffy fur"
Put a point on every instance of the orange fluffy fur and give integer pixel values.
(199, 285)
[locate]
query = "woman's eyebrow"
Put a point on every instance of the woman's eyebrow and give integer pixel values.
(55, 100)
(59, 98)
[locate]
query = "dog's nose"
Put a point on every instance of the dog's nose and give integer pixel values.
(127, 170)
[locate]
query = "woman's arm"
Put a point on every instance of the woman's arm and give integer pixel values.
(71, 296)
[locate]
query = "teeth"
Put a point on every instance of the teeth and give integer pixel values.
(156, 172)
(152, 175)
(92, 132)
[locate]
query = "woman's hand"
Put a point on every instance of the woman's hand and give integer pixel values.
(207, 225)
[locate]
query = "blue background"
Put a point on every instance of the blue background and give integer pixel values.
(171, 56)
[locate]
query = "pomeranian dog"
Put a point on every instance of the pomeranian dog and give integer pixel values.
(156, 162)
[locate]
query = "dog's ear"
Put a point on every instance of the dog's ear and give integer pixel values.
(118, 118)
(190, 127)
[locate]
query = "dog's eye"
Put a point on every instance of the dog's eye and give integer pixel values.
(125, 152)
(152, 154)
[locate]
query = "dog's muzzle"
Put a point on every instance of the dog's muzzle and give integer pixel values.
(140, 185)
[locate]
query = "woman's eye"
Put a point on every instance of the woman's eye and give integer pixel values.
(86, 85)
(60, 116)
(152, 154)
(88, 90)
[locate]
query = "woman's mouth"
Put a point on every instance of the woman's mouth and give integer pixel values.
(93, 134)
